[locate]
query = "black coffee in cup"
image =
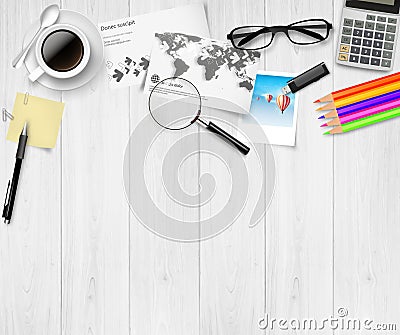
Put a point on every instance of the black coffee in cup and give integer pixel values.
(62, 50)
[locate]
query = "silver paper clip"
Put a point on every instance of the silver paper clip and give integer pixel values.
(6, 115)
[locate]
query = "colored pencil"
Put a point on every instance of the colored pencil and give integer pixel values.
(363, 114)
(360, 88)
(361, 96)
(390, 114)
(358, 106)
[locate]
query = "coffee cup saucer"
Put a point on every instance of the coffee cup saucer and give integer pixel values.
(96, 52)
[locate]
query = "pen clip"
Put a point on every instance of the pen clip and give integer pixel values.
(6, 200)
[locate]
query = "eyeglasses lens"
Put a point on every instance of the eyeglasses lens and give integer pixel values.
(251, 38)
(308, 32)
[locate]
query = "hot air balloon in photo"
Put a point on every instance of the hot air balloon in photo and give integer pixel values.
(268, 97)
(283, 102)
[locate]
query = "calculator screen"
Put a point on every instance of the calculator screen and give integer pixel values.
(384, 6)
(382, 2)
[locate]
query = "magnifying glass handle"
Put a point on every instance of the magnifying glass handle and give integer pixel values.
(244, 149)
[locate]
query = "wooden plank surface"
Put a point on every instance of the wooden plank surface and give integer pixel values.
(30, 249)
(95, 215)
(299, 224)
(366, 196)
(76, 260)
(232, 264)
(164, 274)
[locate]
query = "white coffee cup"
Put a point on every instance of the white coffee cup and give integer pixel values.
(44, 68)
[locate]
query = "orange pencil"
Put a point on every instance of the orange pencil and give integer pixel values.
(360, 88)
(365, 94)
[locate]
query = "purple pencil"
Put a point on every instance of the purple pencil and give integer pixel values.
(381, 99)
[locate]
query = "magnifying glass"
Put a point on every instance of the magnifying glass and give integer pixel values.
(175, 104)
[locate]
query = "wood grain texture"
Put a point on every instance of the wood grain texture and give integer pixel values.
(95, 215)
(299, 224)
(30, 246)
(164, 274)
(75, 260)
(367, 214)
(232, 264)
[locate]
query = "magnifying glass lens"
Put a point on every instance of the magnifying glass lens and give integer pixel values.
(174, 103)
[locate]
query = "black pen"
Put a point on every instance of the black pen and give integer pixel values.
(13, 184)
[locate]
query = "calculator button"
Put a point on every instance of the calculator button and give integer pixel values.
(380, 27)
(357, 32)
(387, 54)
(370, 25)
(368, 34)
(347, 31)
(354, 59)
(391, 29)
(389, 37)
(379, 36)
(375, 61)
(364, 60)
(355, 50)
(376, 53)
(386, 63)
(381, 19)
(346, 39)
(378, 44)
(366, 43)
(359, 24)
(388, 46)
(366, 51)
(348, 23)
(343, 57)
(371, 17)
(344, 48)
(356, 41)
(392, 20)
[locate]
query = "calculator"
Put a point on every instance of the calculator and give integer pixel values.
(368, 34)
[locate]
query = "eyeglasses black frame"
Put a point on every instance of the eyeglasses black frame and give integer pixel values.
(278, 29)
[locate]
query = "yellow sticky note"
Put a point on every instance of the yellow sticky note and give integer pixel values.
(43, 117)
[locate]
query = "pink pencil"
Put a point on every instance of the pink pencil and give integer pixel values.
(362, 114)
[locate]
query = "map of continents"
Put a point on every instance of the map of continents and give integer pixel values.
(213, 56)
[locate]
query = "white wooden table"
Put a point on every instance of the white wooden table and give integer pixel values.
(76, 261)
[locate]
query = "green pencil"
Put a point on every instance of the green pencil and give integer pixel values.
(390, 114)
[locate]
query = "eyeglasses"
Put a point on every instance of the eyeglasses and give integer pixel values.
(258, 37)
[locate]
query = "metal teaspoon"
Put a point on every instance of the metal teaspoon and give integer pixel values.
(48, 17)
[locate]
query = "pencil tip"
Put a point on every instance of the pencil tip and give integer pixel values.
(327, 133)
(321, 117)
(324, 125)
(316, 101)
